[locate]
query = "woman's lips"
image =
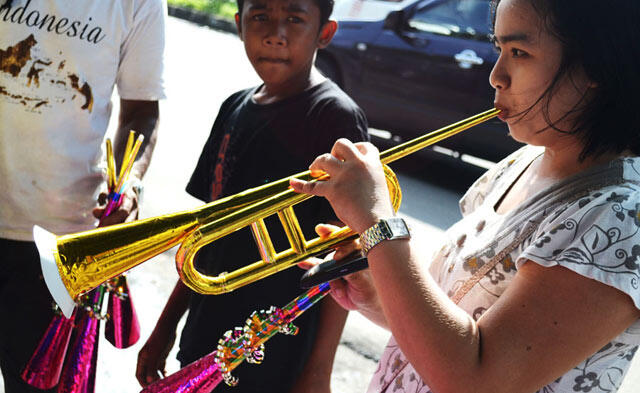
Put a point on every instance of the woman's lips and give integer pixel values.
(504, 112)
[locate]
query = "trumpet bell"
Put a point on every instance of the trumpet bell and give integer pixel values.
(48, 250)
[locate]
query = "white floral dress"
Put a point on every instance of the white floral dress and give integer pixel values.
(589, 223)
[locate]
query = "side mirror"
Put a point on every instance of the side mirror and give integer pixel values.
(394, 20)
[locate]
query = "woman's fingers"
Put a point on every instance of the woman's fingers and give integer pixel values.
(324, 230)
(309, 263)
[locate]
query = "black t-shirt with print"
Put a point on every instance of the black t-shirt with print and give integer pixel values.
(251, 145)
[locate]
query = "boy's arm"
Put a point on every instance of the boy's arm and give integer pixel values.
(316, 375)
(153, 355)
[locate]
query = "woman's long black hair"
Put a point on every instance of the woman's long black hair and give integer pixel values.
(602, 38)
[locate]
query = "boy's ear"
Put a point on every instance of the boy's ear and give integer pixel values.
(238, 25)
(326, 33)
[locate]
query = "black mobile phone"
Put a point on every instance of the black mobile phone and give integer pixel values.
(333, 269)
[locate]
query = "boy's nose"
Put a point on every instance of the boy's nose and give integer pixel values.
(275, 40)
(275, 37)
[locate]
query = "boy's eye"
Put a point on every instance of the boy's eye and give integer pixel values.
(294, 19)
(259, 17)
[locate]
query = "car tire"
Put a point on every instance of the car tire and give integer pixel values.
(328, 67)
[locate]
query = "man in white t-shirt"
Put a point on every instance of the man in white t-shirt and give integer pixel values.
(59, 63)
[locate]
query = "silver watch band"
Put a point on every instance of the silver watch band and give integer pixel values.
(385, 229)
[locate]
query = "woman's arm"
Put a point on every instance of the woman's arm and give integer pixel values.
(546, 322)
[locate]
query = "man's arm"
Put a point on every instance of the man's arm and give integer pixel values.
(142, 117)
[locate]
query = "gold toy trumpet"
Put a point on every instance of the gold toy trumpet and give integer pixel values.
(78, 262)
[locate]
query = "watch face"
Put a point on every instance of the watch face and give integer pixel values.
(398, 227)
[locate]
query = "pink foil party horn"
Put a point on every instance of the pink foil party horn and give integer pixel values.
(201, 376)
(79, 372)
(44, 368)
(122, 328)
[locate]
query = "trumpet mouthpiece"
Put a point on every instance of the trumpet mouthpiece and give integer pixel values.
(47, 248)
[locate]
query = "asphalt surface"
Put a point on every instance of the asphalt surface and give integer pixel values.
(202, 68)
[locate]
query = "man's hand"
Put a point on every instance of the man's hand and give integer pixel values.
(128, 210)
(153, 356)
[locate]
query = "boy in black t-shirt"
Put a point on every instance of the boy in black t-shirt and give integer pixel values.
(264, 134)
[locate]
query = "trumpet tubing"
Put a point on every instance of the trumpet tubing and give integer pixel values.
(85, 260)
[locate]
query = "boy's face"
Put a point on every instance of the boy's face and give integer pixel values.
(281, 38)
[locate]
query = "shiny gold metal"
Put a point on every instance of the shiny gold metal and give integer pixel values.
(87, 259)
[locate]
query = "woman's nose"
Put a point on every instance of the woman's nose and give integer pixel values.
(499, 78)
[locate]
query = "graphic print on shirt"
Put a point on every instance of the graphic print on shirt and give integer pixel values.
(219, 171)
(31, 77)
(46, 79)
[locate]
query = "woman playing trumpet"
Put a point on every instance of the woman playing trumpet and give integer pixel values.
(537, 287)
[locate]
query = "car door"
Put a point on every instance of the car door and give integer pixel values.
(432, 69)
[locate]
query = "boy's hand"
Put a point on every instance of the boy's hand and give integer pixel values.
(310, 384)
(153, 356)
(127, 212)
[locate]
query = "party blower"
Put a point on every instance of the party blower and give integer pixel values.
(45, 368)
(237, 345)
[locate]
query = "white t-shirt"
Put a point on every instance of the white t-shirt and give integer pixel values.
(59, 63)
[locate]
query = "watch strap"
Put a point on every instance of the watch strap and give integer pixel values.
(386, 229)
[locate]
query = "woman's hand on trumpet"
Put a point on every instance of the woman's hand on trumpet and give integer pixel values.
(356, 188)
(354, 291)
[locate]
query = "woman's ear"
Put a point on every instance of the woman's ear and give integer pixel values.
(326, 33)
(238, 25)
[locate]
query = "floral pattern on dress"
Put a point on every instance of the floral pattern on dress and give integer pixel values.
(596, 232)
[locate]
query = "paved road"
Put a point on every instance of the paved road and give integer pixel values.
(203, 68)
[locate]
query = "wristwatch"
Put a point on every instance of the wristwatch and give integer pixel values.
(386, 229)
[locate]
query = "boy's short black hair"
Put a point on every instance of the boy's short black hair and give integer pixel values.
(325, 6)
(602, 38)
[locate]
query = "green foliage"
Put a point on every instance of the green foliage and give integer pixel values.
(221, 8)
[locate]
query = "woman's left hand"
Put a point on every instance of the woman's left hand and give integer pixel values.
(356, 188)
(354, 292)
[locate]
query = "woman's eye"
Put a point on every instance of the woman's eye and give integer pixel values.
(518, 53)
(259, 17)
(294, 19)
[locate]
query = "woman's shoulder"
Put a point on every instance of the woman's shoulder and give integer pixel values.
(596, 235)
(507, 170)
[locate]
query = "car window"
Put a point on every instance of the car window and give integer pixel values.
(467, 18)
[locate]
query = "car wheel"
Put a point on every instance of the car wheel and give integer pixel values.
(329, 69)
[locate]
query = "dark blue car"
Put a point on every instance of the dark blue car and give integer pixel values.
(424, 66)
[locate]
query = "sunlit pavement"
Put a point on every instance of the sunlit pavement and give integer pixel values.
(203, 67)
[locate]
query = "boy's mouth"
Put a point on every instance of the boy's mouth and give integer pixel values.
(274, 60)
